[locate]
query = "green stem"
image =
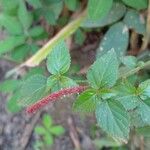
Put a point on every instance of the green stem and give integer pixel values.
(135, 70)
(47, 48)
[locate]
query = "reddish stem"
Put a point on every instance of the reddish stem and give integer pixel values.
(53, 97)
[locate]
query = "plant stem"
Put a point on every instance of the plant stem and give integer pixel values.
(147, 34)
(135, 70)
(63, 34)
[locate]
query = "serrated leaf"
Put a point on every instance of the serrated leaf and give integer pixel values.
(144, 87)
(71, 4)
(58, 61)
(33, 89)
(117, 38)
(36, 31)
(137, 4)
(47, 121)
(98, 8)
(25, 17)
(10, 43)
(135, 21)
(11, 24)
(104, 72)
(58, 83)
(126, 95)
(144, 111)
(113, 119)
(40, 130)
(35, 3)
(86, 101)
(129, 61)
(117, 12)
(9, 85)
(57, 130)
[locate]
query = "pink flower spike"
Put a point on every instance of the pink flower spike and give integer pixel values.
(53, 97)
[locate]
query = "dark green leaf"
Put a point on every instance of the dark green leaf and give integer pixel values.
(10, 43)
(58, 61)
(36, 31)
(137, 4)
(104, 72)
(35, 3)
(86, 101)
(79, 37)
(71, 4)
(113, 119)
(135, 21)
(98, 8)
(117, 11)
(144, 131)
(117, 38)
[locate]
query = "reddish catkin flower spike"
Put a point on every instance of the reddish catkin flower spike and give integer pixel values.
(54, 96)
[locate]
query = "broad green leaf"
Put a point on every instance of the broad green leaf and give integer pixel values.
(144, 87)
(40, 130)
(58, 61)
(126, 95)
(113, 119)
(117, 12)
(48, 139)
(32, 90)
(135, 21)
(86, 101)
(12, 104)
(71, 4)
(24, 15)
(104, 72)
(9, 85)
(144, 131)
(129, 61)
(47, 121)
(58, 83)
(11, 24)
(35, 3)
(137, 4)
(117, 38)
(79, 37)
(98, 8)
(144, 111)
(57, 130)
(10, 43)
(36, 31)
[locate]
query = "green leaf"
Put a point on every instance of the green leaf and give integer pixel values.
(144, 131)
(11, 24)
(71, 4)
(86, 101)
(57, 130)
(117, 12)
(25, 17)
(117, 38)
(129, 61)
(33, 89)
(10, 43)
(113, 119)
(135, 21)
(127, 96)
(58, 61)
(79, 37)
(35, 3)
(144, 111)
(47, 121)
(98, 8)
(9, 85)
(137, 4)
(40, 130)
(36, 31)
(104, 72)
(12, 104)
(48, 139)
(144, 87)
(60, 82)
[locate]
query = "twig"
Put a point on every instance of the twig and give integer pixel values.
(73, 134)
(147, 34)
(28, 131)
